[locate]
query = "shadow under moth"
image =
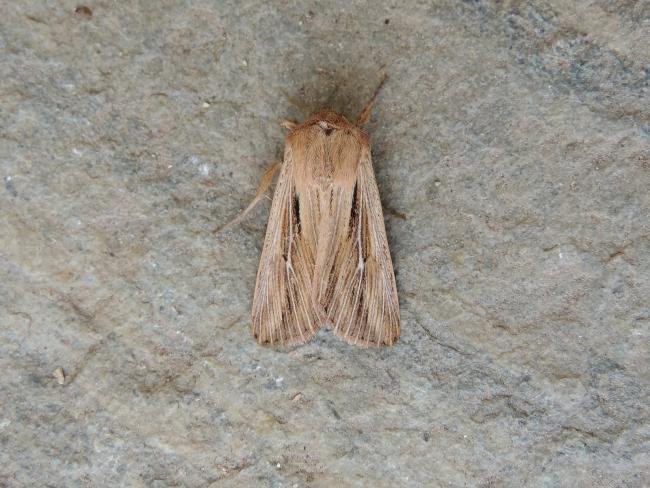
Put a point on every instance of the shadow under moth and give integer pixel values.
(325, 260)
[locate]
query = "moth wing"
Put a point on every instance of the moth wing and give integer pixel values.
(363, 306)
(283, 311)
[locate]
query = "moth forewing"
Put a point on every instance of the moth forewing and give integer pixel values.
(325, 258)
(364, 309)
(283, 312)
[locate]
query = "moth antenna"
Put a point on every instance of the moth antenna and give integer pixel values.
(364, 115)
(299, 104)
(265, 183)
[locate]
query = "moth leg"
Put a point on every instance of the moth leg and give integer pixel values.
(393, 212)
(265, 183)
(288, 124)
(364, 115)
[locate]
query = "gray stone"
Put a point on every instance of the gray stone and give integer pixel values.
(515, 138)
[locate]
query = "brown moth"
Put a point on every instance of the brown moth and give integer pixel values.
(325, 259)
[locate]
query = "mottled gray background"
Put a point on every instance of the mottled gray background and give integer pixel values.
(513, 136)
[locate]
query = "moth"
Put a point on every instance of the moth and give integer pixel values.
(325, 260)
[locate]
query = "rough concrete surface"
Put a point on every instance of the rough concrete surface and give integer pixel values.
(513, 136)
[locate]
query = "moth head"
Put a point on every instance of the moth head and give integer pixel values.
(327, 127)
(329, 121)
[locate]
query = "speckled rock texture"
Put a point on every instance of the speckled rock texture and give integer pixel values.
(512, 150)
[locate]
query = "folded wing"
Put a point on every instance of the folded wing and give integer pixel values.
(363, 307)
(283, 311)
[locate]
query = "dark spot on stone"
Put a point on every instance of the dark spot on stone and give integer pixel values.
(606, 365)
(330, 405)
(83, 11)
(11, 188)
(328, 131)
(426, 436)
(271, 384)
(387, 21)
(617, 289)
(36, 379)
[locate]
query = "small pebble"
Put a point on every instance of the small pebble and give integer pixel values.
(83, 11)
(59, 374)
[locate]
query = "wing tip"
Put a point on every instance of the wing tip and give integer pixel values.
(295, 340)
(367, 342)
(309, 334)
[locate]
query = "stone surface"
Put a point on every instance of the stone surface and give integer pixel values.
(513, 135)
